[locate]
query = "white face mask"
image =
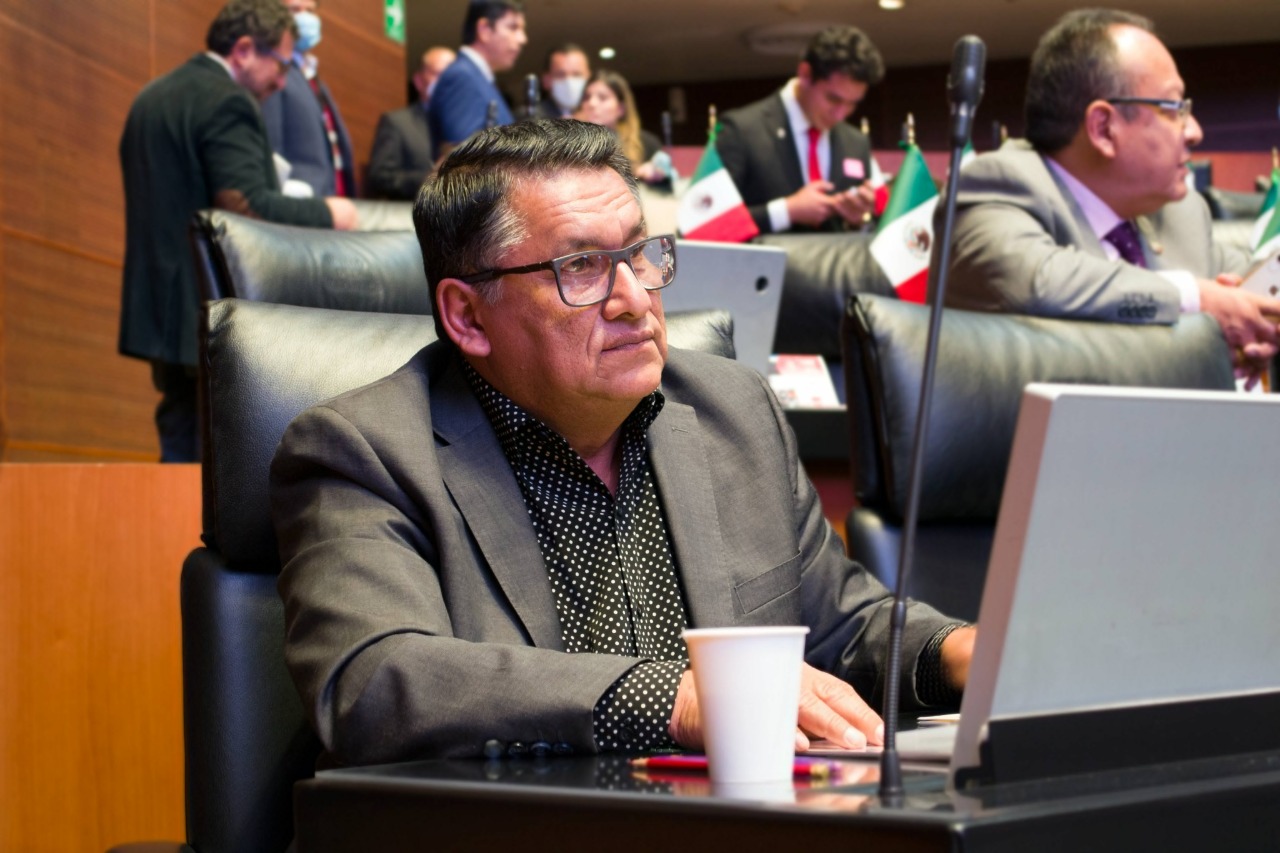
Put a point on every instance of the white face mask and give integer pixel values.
(308, 31)
(567, 92)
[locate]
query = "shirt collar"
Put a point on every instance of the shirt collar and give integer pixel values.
(479, 61)
(795, 114)
(1097, 213)
(221, 60)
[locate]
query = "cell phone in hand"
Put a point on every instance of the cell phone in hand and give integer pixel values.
(1263, 278)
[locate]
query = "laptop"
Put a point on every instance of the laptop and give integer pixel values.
(1133, 573)
(745, 280)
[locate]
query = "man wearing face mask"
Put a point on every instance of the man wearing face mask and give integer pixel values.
(564, 78)
(303, 121)
(194, 139)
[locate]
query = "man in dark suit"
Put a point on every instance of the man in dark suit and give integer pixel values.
(401, 157)
(466, 98)
(303, 122)
(194, 139)
(797, 163)
(502, 541)
(564, 78)
(1091, 216)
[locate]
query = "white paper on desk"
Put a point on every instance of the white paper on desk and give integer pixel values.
(933, 742)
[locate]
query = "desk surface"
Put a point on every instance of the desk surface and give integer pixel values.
(594, 803)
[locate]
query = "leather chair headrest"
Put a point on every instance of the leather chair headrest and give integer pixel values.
(237, 256)
(263, 364)
(984, 362)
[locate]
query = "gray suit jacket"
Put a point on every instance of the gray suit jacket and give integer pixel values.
(419, 612)
(401, 156)
(1022, 245)
(758, 149)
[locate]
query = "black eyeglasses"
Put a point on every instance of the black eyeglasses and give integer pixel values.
(1178, 109)
(586, 278)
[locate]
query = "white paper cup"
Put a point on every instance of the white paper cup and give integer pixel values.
(748, 683)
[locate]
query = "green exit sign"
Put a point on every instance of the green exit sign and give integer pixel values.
(394, 20)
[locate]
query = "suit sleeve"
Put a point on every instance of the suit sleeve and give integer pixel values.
(846, 608)
(239, 171)
(388, 176)
(1005, 257)
(370, 642)
(732, 147)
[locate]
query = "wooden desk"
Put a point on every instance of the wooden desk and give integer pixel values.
(90, 663)
(592, 804)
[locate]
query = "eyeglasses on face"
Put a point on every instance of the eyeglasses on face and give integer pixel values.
(586, 278)
(1174, 108)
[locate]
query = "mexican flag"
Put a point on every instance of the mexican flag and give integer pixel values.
(905, 236)
(1266, 231)
(712, 208)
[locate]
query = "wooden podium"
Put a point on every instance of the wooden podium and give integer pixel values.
(90, 660)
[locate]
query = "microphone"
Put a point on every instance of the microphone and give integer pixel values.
(666, 128)
(964, 90)
(491, 115)
(532, 95)
(964, 86)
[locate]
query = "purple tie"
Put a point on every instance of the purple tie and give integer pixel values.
(1125, 238)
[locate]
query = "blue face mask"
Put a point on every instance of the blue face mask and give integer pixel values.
(308, 31)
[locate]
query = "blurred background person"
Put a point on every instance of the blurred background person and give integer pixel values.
(401, 157)
(303, 121)
(564, 78)
(608, 101)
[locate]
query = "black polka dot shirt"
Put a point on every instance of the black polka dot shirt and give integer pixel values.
(610, 563)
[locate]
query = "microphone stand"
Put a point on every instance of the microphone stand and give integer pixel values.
(891, 789)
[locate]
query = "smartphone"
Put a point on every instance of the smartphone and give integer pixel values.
(1263, 278)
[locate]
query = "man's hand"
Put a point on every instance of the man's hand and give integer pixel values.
(956, 653)
(343, 212)
(812, 204)
(829, 708)
(1248, 322)
(856, 204)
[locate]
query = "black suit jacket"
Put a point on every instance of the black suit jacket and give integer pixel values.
(401, 156)
(193, 139)
(758, 149)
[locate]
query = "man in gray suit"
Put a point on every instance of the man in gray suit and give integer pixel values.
(496, 547)
(1091, 216)
(401, 158)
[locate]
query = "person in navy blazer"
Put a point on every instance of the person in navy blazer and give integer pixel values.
(466, 98)
(765, 146)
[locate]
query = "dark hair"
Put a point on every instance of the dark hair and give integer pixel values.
(264, 21)
(567, 47)
(628, 129)
(844, 50)
(463, 217)
(1075, 63)
(490, 10)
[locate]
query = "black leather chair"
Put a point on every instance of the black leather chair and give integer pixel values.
(984, 362)
(383, 215)
(237, 256)
(246, 735)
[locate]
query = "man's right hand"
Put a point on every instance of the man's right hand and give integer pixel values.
(1248, 322)
(812, 204)
(828, 709)
(343, 211)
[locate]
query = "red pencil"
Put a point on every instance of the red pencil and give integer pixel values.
(803, 767)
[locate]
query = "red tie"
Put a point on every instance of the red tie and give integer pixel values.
(815, 169)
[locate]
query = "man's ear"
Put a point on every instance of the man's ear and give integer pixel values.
(484, 30)
(805, 72)
(458, 306)
(1100, 123)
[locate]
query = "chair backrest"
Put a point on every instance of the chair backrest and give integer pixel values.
(247, 738)
(984, 362)
(245, 258)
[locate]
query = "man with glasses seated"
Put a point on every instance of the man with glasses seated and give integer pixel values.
(1091, 216)
(194, 139)
(494, 550)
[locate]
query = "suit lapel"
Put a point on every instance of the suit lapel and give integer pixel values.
(477, 474)
(689, 502)
(784, 143)
(1082, 235)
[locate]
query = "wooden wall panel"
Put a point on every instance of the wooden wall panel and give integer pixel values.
(91, 731)
(179, 32)
(58, 160)
(67, 389)
(113, 36)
